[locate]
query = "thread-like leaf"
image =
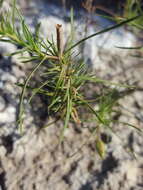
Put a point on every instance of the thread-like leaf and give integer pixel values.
(103, 31)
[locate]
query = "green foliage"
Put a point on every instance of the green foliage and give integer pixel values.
(131, 9)
(62, 75)
(1, 2)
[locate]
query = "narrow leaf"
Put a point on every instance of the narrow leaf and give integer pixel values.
(103, 31)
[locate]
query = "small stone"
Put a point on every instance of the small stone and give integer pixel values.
(2, 151)
(8, 115)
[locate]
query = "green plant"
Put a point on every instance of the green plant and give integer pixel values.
(62, 74)
(1, 2)
(132, 8)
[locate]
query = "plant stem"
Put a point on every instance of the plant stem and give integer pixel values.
(59, 39)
